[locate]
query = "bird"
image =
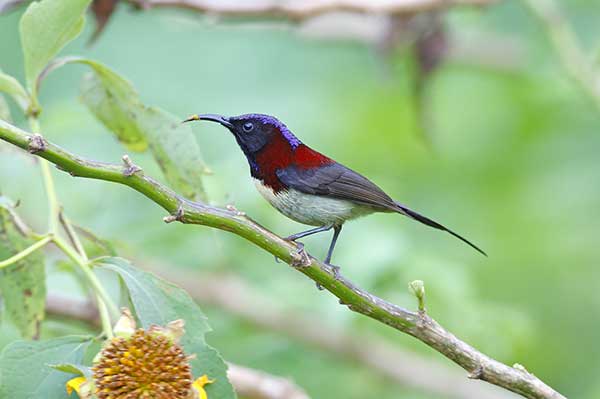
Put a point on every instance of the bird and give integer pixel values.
(307, 186)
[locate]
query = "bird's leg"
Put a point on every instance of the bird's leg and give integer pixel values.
(336, 269)
(306, 233)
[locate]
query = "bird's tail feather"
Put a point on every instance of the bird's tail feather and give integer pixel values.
(425, 220)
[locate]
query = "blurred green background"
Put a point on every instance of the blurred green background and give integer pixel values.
(513, 164)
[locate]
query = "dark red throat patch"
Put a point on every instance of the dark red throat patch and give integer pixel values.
(279, 154)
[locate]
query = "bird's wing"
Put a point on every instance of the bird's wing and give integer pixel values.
(336, 181)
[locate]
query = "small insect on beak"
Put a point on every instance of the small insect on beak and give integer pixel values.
(192, 118)
(223, 120)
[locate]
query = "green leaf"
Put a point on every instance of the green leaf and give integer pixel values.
(13, 88)
(46, 27)
(115, 102)
(24, 370)
(156, 301)
(77, 369)
(175, 149)
(23, 284)
(4, 110)
(8, 334)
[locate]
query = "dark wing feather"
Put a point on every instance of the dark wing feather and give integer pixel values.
(337, 181)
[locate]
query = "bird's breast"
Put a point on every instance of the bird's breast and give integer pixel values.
(311, 209)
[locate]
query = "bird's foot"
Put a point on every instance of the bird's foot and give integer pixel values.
(299, 251)
(336, 271)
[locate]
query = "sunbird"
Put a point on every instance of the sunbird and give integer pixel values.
(305, 185)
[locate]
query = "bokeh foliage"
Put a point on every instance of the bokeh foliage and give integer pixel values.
(514, 166)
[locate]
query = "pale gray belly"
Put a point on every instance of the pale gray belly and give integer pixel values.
(312, 209)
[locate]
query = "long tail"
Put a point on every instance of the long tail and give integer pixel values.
(425, 220)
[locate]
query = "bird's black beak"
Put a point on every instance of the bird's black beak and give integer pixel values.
(223, 120)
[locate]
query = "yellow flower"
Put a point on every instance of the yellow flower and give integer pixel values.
(146, 365)
(141, 364)
(80, 385)
(199, 384)
(74, 385)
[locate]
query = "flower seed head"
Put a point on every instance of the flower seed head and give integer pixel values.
(146, 365)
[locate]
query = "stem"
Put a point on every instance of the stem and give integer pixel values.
(55, 215)
(104, 317)
(73, 237)
(53, 208)
(102, 296)
(32, 248)
(102, 308)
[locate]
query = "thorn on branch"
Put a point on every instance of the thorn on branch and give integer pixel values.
(300, 257)
(178, 216)
(520, 367)
(130, 168)
(336, 272)
(36, 143)
(417, 287)
(232, 208)
(476, 374)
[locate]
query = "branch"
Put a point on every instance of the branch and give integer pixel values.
(301, 10)
(255, 384)
(417, 324)
(248, 383)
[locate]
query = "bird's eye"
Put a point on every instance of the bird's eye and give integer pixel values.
(248, 127)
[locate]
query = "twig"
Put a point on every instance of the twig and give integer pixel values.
(62, 306)
(248, 383)
(301, 10)
(24, 253)
(72, 235)
(419, 325)
(569, 52)
(255, 384)
(9, 5)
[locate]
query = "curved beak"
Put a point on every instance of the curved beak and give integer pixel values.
(223, 120)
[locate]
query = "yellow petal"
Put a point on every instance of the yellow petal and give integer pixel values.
(74, 385)
(199, 384)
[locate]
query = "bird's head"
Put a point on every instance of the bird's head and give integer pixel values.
(252, 131)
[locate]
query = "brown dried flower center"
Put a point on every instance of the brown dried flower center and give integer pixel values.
(144, 366)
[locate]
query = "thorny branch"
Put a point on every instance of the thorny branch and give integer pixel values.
(417, 324)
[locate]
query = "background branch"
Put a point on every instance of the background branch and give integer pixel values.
(256, 384)
(417, 324)
(299, 10)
